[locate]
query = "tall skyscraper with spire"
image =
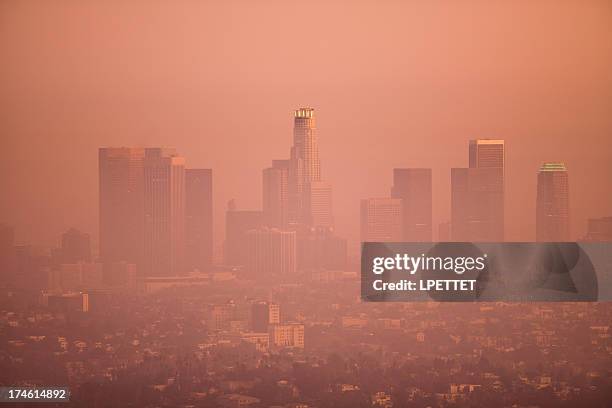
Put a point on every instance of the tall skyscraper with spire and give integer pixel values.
(552, 203)
(305, 149)
(304, 167)
(296, 199)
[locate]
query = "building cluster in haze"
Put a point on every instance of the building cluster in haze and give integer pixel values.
(151, 320)
(156, 219)
(477, 202)
(294, 231)
(154, 212)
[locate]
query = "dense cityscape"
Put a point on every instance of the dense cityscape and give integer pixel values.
(152, 319)
(306, 204)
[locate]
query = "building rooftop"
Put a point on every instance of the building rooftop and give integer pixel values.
(553, 166)
(304, 113)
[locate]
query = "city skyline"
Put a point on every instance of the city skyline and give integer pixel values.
(156, 216)
(277, 181)
(219, 235)
(408, 93)
(193, 195)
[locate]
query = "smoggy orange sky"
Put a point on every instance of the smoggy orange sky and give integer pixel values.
(394, 83)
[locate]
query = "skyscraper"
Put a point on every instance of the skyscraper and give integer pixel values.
(381, 220)
(198, 219)
(296, 199)
(491, 154)
(414, 188)
(237, 224)
(304, 167)
(76, 247)
(318, 204)
(477, 193)
(485, 153)
(293, 194)
(121, 195)
(276, 194)
(164, 187)
(305, 144)
(271, 253)
(552, 203)
(475, 205)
